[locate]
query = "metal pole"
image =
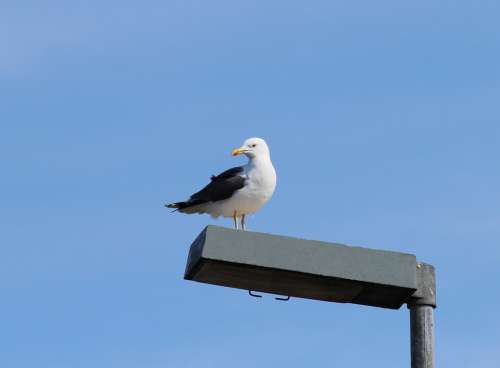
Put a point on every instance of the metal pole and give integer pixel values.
(421, 306)
(422, 336)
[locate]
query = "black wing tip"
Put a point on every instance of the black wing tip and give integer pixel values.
(175, 206)
(182, 205)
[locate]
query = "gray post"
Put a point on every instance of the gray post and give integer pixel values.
(422, 336)
(421, 306)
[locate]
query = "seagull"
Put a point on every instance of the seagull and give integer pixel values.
(239, 191)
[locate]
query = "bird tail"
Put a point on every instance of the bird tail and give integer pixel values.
(176, 206)
(185, 207)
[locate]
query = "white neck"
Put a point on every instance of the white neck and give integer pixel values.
(259, 160)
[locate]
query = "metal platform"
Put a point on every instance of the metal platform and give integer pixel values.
(302, 268)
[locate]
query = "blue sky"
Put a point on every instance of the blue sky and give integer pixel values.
(384, 125)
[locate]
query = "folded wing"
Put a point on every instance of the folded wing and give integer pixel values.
(221, 187)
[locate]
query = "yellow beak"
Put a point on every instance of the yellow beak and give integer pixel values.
(238, 151)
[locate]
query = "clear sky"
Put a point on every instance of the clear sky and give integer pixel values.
(383, 120)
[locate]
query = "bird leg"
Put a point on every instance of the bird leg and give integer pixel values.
(235, 220)
(243, 226)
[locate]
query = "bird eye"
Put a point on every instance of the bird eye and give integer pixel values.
(253, 145)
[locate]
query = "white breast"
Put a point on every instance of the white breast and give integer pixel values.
(258, 189)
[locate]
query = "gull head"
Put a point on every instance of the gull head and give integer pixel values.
(253, 147)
